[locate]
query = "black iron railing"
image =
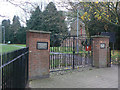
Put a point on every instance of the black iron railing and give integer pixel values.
(15, 69)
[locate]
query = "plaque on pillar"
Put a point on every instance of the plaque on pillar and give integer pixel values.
(102, 45)
(42, 45)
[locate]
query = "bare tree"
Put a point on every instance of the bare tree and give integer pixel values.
(26, 8)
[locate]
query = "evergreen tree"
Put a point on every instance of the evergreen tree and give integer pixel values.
(21, 36)
(16, 24)
(14, 29)
(54, 22)
(35, 21)
(48, 20)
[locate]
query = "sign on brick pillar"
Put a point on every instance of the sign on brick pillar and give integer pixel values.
(39, 46)
(100, 51)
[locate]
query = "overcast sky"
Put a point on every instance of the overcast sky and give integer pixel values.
(9, 10)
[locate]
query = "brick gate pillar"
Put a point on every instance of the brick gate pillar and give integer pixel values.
(39, 46)
(101, 52)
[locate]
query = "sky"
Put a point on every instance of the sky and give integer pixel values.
(8, 10)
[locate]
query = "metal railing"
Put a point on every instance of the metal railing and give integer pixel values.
(64, 54)
(15, 69)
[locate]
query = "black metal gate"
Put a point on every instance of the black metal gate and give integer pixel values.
(14, 69)
(69, 52)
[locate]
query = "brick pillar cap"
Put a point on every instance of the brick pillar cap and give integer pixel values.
(100, 36)
(36, 31)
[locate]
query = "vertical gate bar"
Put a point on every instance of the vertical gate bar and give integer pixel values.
(110, 56)
(13, 75)
(2, 78)
(68, 44)
(27, 63)
(51, 48)
(53, 45)
(91, 52)
(72, 44)
(51, 60)
(8, 78)
(2, 73)
(55, 48)
(66, 60)
(85, 58)
(70, 59)
(78, 59)
(88, 58)
(82, 56)
(22, 65)
(65, 45)
(6, 73)
(59, 49)
(54, 60)
(73, 50)
(62, 47)
(59, 61)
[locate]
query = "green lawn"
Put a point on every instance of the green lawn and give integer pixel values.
(65, 50)
(10, 48)
(22, 45)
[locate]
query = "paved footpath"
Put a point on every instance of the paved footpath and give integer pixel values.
(81, 78)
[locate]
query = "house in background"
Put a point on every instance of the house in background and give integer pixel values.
(73, 32)
(81, 29)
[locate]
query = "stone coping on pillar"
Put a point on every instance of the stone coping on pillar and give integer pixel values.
(36, 31)
(100, 36)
